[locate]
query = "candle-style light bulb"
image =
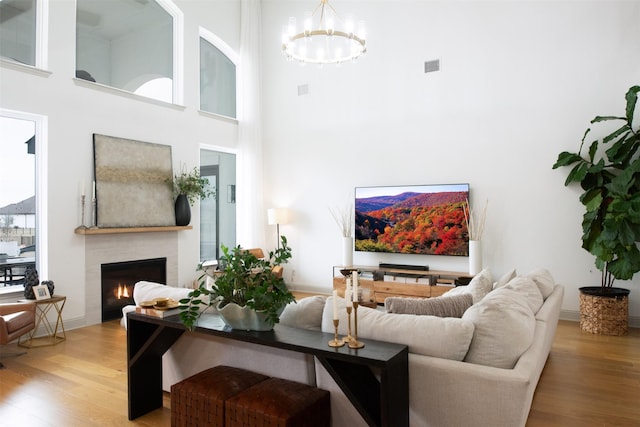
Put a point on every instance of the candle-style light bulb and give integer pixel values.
(307, 23)
(292, 26)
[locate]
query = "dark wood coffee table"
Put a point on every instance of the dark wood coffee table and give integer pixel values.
(381, 402)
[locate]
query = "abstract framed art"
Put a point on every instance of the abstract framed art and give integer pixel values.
(133, 183)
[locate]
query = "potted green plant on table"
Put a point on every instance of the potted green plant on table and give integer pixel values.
(609, 174)
(248, 292)
(188, 186)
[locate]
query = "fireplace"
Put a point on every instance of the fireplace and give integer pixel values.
(118, 279)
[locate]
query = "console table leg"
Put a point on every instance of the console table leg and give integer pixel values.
(146, 343)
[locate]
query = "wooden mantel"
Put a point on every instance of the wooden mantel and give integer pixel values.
(92, 231)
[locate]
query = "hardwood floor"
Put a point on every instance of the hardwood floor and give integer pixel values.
(589, 380)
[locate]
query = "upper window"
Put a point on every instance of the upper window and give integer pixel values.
(217, 79)
(18, 30)
(125, 44)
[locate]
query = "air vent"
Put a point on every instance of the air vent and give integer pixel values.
(431, 66)
(303, 89)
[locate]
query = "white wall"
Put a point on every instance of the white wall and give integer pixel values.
(519, 82)
(76, 110)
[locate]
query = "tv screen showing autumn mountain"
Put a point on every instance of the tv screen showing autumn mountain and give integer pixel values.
(414, 219)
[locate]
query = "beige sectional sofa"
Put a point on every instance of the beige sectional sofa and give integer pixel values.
(478, 370)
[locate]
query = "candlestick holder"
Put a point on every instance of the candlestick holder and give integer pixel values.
(335, 342)
(354, 343)
(82, 205)
(348, 338)
(93, 213)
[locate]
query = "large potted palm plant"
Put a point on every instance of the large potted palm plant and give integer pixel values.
(609, 175)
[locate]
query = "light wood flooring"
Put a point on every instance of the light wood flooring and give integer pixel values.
(589, 380)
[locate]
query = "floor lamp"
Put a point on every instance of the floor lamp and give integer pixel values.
(277, 216)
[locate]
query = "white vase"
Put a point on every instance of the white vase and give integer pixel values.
(347, 251)
(475, 256)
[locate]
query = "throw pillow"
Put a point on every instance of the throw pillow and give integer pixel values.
(480, 285)
(505, 278)
(544, 280)
(504, 329)
(305, 313)
(458, 290)
(527, 288)
(443, 337)
(452, 306)
(148, 291)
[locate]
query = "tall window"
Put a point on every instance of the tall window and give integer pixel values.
(125, 44)
(18, 30)
(217, 78)
(17, 200)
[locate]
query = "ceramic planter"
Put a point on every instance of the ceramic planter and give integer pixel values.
(244, 318)
(182, 210)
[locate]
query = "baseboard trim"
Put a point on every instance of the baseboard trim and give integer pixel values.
(574, 315)
(310, 289)
(69, 324)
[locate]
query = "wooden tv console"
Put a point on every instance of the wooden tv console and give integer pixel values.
(379, 283)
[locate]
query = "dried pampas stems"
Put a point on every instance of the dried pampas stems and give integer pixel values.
(475, 224)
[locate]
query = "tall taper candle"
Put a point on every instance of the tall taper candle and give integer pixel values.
(355, 286)
(335, 305)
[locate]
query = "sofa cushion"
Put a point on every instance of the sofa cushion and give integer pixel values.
(527, 288)
(305, 313)
(505, 278)
(18, 320)
(504, 329)
(444, 337)
(452, 306)
(543, 280)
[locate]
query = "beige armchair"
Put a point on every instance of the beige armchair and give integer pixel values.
(16, 319)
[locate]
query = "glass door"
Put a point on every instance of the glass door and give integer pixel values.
(217, 212)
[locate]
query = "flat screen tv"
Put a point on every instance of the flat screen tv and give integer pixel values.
(412, 219)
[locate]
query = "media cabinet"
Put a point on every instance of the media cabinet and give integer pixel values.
(378, 283)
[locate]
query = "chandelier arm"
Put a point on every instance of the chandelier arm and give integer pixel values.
(322, 3)
(335, 12)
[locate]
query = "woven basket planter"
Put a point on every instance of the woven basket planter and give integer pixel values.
(604, 314)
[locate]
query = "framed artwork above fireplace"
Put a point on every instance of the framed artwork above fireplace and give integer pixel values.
(132, 183)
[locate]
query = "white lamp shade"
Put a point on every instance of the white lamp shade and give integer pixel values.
(277, 216)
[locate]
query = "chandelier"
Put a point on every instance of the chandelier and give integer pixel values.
(320, 42)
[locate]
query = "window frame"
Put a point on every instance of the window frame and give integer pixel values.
(178, 58)
(41, 55)
(42, 190)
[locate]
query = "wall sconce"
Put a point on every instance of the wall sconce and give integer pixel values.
(277, 216)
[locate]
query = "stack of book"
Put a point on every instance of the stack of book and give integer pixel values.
(149, 309)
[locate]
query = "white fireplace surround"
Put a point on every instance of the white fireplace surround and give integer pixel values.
(108, 248)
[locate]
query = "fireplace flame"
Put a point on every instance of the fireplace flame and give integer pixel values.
(122, 291)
